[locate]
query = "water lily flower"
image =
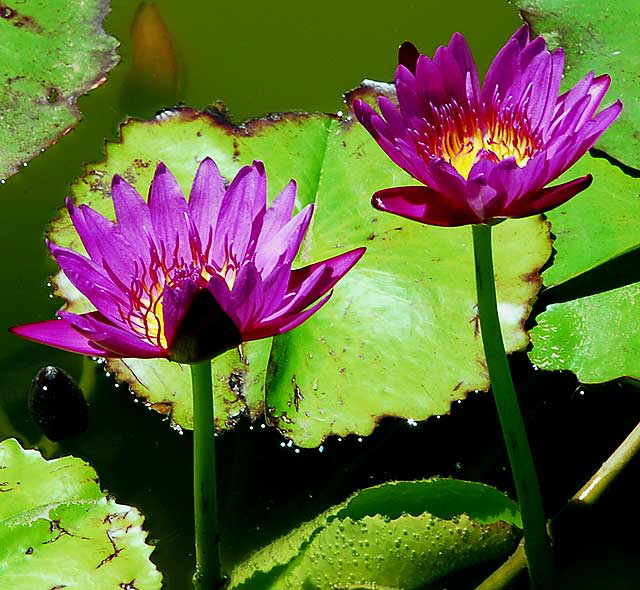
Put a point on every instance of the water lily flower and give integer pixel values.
(189, 280)
(485, 152)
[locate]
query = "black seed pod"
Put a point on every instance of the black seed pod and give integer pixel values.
(57, 405)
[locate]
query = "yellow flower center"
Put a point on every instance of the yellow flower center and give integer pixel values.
(462, 137)
(463, 152)
(146, 312)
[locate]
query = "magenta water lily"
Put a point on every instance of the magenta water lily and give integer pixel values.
(189, 280)
(485, 152)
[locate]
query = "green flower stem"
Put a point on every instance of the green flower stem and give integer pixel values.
(588, 494)
(538, 547)
(208, 575)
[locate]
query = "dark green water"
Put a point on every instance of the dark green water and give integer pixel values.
(257, 58)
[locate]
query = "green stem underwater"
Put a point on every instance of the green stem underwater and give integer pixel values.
(208, 575)
(537, 544)
(588, 494)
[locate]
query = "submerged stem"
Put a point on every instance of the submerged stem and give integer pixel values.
(588, 494)
(537, 544)
(208, 574)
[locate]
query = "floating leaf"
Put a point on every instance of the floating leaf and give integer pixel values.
(58, 530)
(597, 225)
(397, 535)
(400, 335)
(596, 337)
(595, 36)
(53, 51)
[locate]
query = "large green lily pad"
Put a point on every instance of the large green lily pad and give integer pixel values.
(398, 534)
(52, 52)
(596, 226)
(58, 530)
(596, 337)
(596, 36)
(400, 336)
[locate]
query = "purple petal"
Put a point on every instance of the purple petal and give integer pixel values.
(365, 113)
(423, 204)
(279, 213)
(205, 200)
(103, 240)
(244, 201)
(91, 281)
(283, 324)
(133, 217)
(502, 72)
(116, 341)
(408, 56)
(247, 295)
(313, 281)
(59, 334)
(544, 78)
(283, 247)
(481, 196)
(170, 216)
(548, 198)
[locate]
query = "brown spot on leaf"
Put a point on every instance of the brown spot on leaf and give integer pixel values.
(372, 236)
(53, 95)
(29, 551)
(236, 150)
(297, 394)
(19, 20)
(128, 585)
(139, 163)
(162, 407)
(6, 12)
(56, 527)
(113, 555)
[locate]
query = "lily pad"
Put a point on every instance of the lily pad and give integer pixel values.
(58, 530)
(400, 336)
(397, 535)
(595, 36)
(596, 226)
(596, 337)
(52, 52)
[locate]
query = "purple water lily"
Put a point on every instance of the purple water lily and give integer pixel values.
(485, 152)
(189, 280)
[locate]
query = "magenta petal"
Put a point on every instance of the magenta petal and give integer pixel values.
(133, 217)
(248, 296)
(103, 240)
(422, 204)
(91, 281)
(170, 216)
(116, 341)
(313, 281)
(205, 199)
(59, 334)
(283, 324)
(549, 198)
(241, 207)
(408, 56)
(283, 247)
(279, 213)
